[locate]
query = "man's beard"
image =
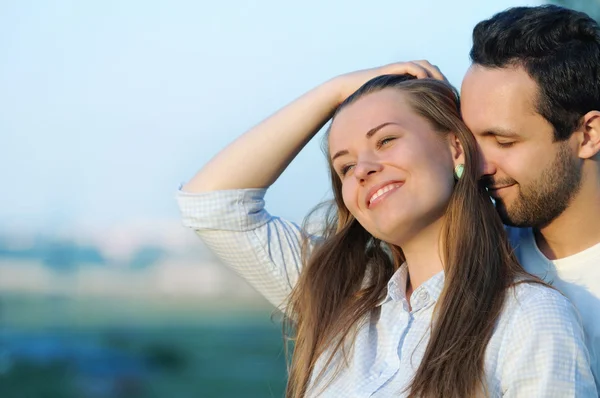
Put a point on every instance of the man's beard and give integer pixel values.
(542, 201)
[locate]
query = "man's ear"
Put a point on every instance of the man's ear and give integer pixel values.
(589, 144)
(458, 154)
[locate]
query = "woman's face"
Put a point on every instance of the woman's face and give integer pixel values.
(396, 170)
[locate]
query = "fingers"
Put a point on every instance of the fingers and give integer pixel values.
(432, 70)
(410, 68)
(421, 69)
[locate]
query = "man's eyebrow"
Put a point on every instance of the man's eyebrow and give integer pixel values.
(369, 134)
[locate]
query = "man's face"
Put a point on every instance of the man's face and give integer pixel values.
(531, 177)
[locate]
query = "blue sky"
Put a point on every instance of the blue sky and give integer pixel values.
(108, 105)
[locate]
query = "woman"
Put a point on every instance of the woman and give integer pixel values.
(412, 289)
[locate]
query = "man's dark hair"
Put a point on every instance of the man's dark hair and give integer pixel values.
(558, 47)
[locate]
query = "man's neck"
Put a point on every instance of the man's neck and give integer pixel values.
(576, 229)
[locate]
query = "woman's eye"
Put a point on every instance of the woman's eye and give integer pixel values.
(346, 169)
(384, 141)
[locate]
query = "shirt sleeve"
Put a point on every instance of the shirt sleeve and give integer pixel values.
(263, 249)
(546, 354)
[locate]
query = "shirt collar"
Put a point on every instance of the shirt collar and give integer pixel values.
(428, 291)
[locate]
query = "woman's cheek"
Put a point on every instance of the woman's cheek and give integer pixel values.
(349, 196)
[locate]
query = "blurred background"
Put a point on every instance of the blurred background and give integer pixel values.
(107, 106)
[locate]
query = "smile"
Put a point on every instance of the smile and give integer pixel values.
(496, 191)
(378, 195)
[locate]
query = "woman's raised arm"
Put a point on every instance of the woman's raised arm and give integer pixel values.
(258, 157)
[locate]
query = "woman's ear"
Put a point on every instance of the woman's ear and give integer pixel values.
(456, 149)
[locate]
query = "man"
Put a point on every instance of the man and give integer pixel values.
(532, 99)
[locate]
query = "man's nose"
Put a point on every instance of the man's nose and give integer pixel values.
(365, 169)
(487, 165)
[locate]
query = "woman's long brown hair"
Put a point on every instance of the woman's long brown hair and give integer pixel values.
(346, 275)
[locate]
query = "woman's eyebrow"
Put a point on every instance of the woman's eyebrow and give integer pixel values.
(369, 134)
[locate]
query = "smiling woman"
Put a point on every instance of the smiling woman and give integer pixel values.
(403, 151)
(411, 289)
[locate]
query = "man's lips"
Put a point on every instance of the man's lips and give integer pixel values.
(496, 191)
(380, 191)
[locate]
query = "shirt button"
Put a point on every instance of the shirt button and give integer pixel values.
(423, 295)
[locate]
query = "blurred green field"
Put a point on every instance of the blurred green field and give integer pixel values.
(97, 348)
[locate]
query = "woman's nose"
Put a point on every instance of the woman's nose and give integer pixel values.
(363, 170)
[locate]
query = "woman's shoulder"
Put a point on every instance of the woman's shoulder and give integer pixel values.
(536, 304)
(538, 348)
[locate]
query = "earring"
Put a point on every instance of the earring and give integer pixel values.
(459, 171)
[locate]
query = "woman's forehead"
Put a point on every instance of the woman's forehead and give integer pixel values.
(357, 119)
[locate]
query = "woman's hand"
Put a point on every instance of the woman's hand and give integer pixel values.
(350, 82)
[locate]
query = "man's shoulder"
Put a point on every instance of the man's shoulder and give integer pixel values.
(517, 235)
(523, 244)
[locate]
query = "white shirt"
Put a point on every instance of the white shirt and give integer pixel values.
(577, 276)
(536, 350)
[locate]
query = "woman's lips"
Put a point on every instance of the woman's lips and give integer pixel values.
(382, 192)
